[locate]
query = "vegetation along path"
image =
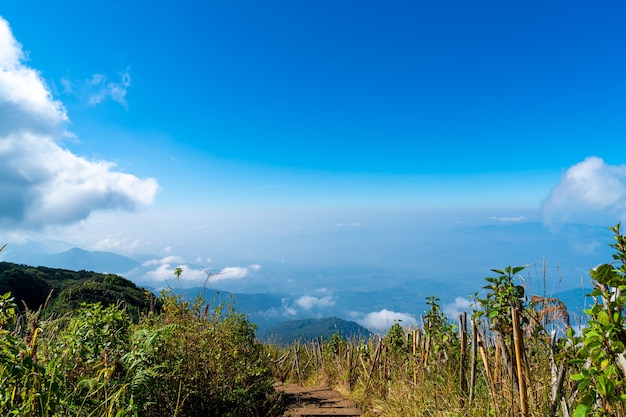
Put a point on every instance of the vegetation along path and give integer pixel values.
(316, 401)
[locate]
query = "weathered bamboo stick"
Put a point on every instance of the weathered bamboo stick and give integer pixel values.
(414, 357)
(556, 390)
(474, 360)
(519, 354)
(374, 362)
(384, 361)
(492, 388)
(463, 340)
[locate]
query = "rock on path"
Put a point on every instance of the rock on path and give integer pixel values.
(316, 401)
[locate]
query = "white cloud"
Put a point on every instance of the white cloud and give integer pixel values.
(41, 183)
(25, 101)
(118, 242)
(100, 89)
(307, 302)
(165, 273)
(452, 310)
(234, 272)
(192, 276)
(591, 192)
(201, 260)
(509, 219)
(285, 310)
(381, 321)
(164, 261)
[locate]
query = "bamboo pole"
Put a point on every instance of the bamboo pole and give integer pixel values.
(296, 362)
(321, 345)
(558, 377)
(384, 361)
(492, 388)
(317, 356)
(415, 357)
(374, 362)
(474, 359)
(519, 354)
(463, 340)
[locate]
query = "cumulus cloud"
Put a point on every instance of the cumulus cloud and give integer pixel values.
(590, 192)
(381, 321)
(307, 302)
(25, 101)
(452, 310)
(235, 272)
(167, 260)
(190, 276)
(118, 242)
(165, 273)
(42, 183)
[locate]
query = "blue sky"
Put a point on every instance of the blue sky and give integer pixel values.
(203, 130)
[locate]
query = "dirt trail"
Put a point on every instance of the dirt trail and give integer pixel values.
(316, 401)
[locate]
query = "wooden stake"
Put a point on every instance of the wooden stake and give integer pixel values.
(374, 362)
(463, 340)
(492, 389)
(474, 360)
(414, 357)
(519, 354)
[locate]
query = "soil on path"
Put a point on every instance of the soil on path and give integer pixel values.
(316, 401)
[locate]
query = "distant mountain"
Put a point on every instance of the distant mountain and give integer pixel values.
(75, 259)
(308, 329)
(79, 259)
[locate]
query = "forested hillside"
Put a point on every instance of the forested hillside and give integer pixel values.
(308, 329)
(31, 287)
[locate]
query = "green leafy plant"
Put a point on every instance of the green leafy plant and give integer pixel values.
(395, 339)
(502, 295)
(441, 334)
(601, 360)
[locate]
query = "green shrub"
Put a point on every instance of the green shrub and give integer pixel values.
(207, 362)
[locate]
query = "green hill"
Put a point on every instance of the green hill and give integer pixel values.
(31, 287)
(308, 329)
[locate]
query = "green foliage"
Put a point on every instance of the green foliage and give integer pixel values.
(335, 344)
(502, 296)
(67, 290)
(601, 363)
(185, 359)
(441, 333)
(26, 387)
(208, 360)
(395, 339)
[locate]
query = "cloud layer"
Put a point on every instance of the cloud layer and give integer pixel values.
(590, 192)
(192, 276)
(42, 183)
(381, 321)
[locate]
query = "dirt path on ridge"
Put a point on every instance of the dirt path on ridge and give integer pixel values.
(316, 401)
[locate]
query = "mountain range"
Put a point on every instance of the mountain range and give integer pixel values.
(558, 261)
